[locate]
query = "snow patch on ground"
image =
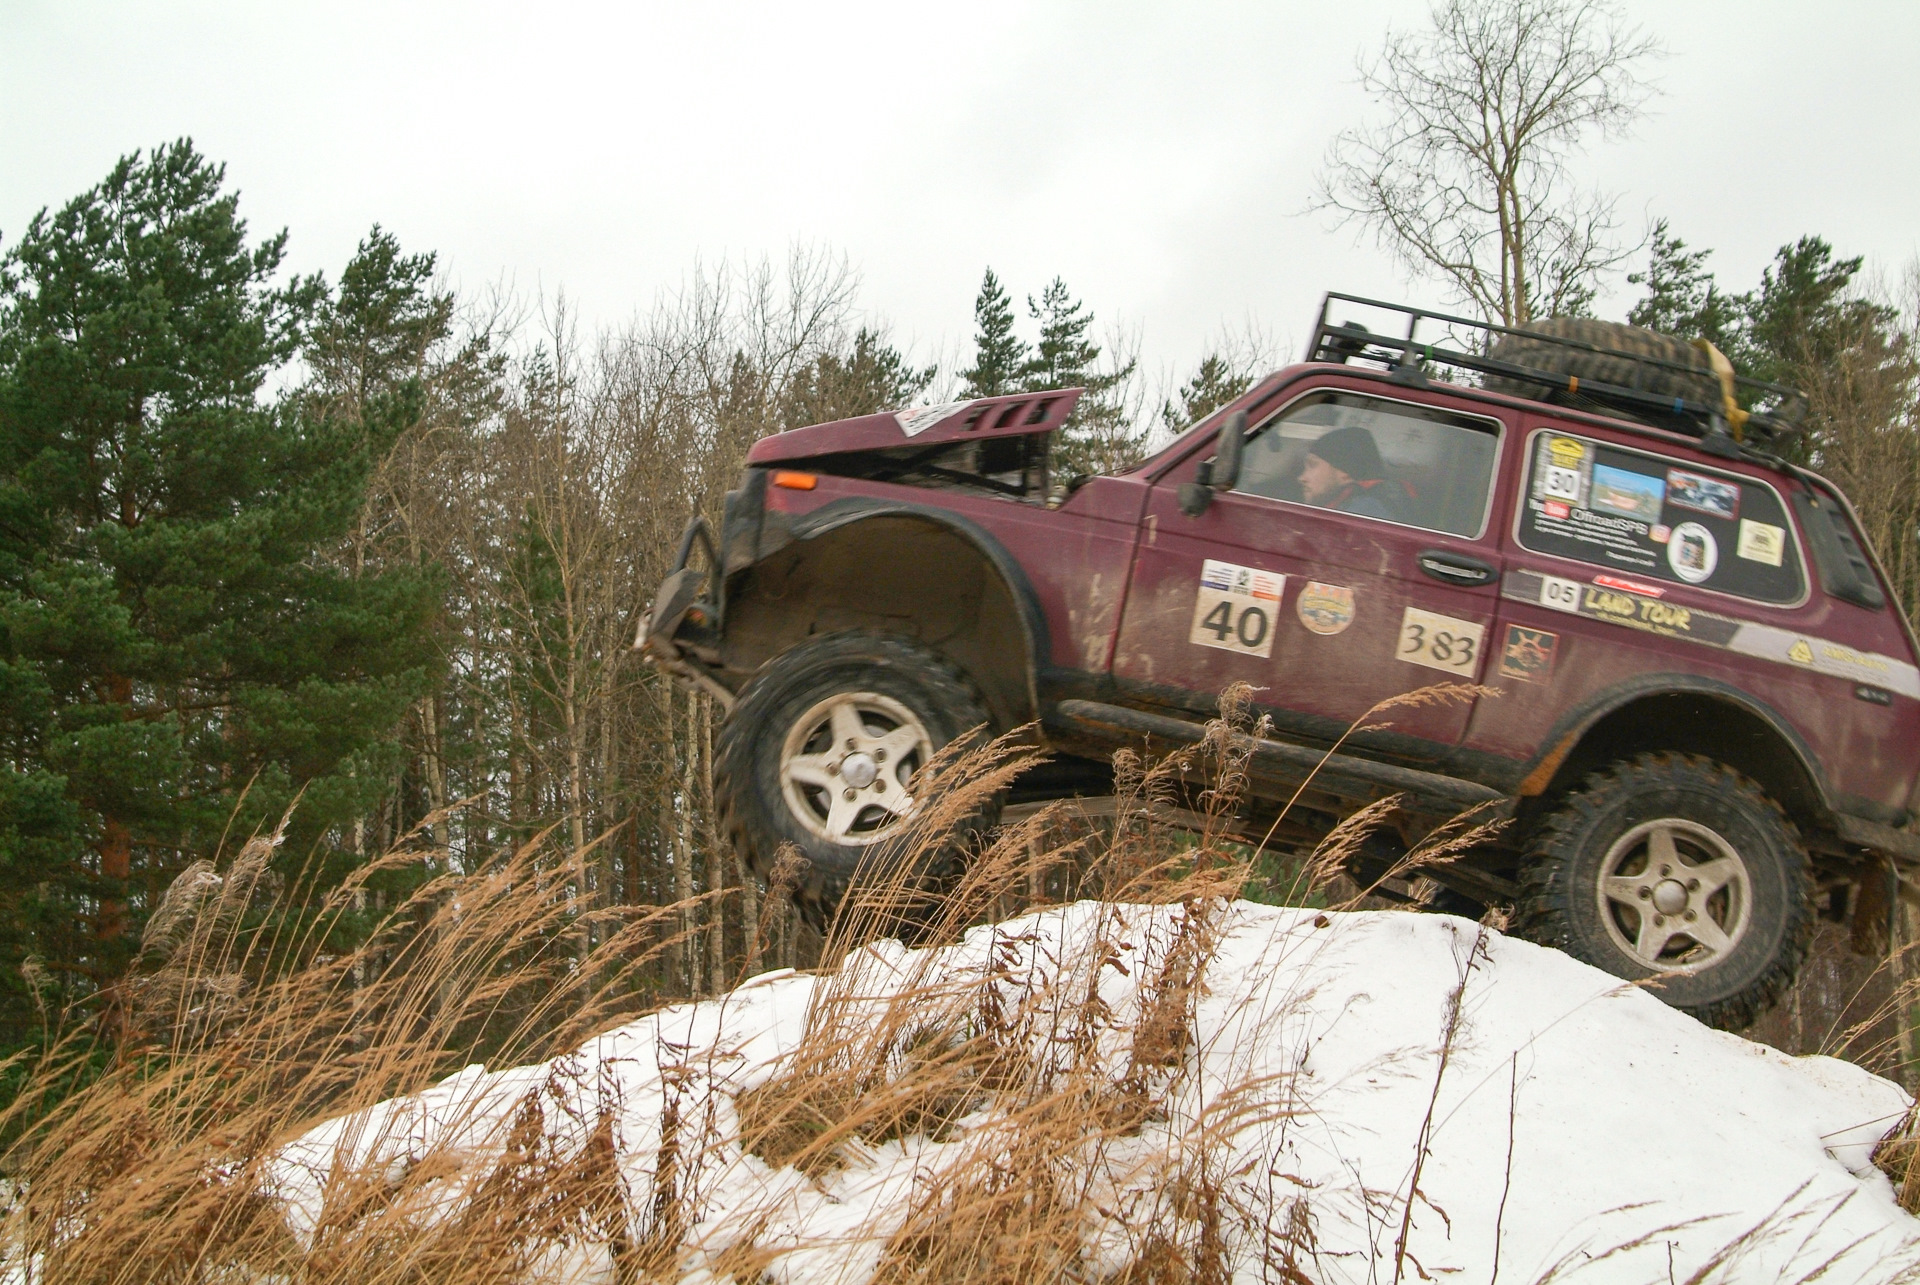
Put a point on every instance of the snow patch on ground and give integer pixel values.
(1574, 1116)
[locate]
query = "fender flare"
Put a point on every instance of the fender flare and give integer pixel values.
(840, 514)
(1572, 728)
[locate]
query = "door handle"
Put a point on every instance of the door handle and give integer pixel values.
(1454, 568)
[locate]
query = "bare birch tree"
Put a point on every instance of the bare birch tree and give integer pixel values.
(1465, 174)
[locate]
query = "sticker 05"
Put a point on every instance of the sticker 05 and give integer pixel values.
(1528, 654)
(1325, 608)
(1236, 608)
(1440, 642)
(1692, 552)
(1560, 593)
(1761, 542)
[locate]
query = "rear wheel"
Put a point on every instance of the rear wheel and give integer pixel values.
(827, 750)
(1675, 867)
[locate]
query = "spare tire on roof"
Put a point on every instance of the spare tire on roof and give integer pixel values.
(1615, 365)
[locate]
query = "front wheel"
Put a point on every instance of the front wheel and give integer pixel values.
(827, 751)
(1675, 867)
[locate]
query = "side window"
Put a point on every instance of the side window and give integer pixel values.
(1655, 518)
(1376, 459)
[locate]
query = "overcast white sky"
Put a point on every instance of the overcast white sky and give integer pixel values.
(1159, 157)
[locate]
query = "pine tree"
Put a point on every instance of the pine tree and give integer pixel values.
(1100, 436)
(1064, 357)
(1000, 359)
(871, 375)
(1213, 384)
(181, 655)
(1682, 297)
(1801, 317)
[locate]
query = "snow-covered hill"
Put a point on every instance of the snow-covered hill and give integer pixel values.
(1353, 1097)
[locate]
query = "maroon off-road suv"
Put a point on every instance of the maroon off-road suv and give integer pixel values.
(1697, 697)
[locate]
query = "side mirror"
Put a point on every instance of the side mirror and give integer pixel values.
(1218, 473)
(1226, 452)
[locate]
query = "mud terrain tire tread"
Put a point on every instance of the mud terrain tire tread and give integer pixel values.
(1557, 889)
(1603, 368)
(752, 812)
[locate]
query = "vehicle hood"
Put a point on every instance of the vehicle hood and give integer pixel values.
(921, 425)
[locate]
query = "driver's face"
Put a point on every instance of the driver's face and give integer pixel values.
(1321, 481)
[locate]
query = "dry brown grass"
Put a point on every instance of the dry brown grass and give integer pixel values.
(1066, 1142)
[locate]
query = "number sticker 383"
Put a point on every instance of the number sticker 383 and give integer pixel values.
(1440, 642)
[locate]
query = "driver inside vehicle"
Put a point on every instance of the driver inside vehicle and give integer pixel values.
(1344, 472)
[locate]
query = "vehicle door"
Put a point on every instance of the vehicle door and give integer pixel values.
(1326, 602)
(1627, 563)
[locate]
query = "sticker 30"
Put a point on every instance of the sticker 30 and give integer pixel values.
(1236, 608)
(1440, 642)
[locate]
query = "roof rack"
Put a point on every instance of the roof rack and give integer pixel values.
(1775, 412)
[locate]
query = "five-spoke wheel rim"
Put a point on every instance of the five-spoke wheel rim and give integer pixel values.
(1674, 895)
(847, 766)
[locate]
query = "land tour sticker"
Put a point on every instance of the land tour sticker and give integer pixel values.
(1325, 608)
(1440, 642)
(1236, 608)
(1670, 620)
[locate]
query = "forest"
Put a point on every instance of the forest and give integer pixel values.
(358, 560)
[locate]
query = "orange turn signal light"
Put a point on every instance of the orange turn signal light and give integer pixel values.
(796, 481)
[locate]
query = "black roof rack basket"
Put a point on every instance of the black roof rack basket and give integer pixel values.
(1774, 412)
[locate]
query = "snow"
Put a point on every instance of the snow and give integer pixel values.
(1570, 1127)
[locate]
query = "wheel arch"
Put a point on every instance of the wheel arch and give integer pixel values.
(1690, 715)
(926, 574)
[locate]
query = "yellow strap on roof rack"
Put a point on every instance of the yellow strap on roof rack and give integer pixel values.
(1723, 371)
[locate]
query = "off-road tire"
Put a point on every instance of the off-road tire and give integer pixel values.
(1613, 367)
(1561, 903)
(749, 787)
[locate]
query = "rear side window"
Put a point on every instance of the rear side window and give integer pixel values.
(1379, 459)
(1653, 518)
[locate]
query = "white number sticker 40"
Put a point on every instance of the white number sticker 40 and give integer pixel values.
(1236, 608)
(1440, 642)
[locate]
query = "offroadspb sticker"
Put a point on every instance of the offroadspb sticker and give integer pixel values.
(1236, 608)
(1440, 642)
(1325, 608)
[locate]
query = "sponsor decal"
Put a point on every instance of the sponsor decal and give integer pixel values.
(1660, 534)
(1325, 608)
(1631, 586)
(1236, 608)
(1528, 654)
(1598, 601)
(1761, 542)
(1563, 474)
(1619, 490)
(1703, 494)
(1692, 552)
(919, 419)
(1440, 642)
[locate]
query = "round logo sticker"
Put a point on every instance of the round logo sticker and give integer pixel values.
(1325, 608)
(1692, 553)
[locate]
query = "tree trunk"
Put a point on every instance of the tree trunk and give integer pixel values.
(683, 854)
